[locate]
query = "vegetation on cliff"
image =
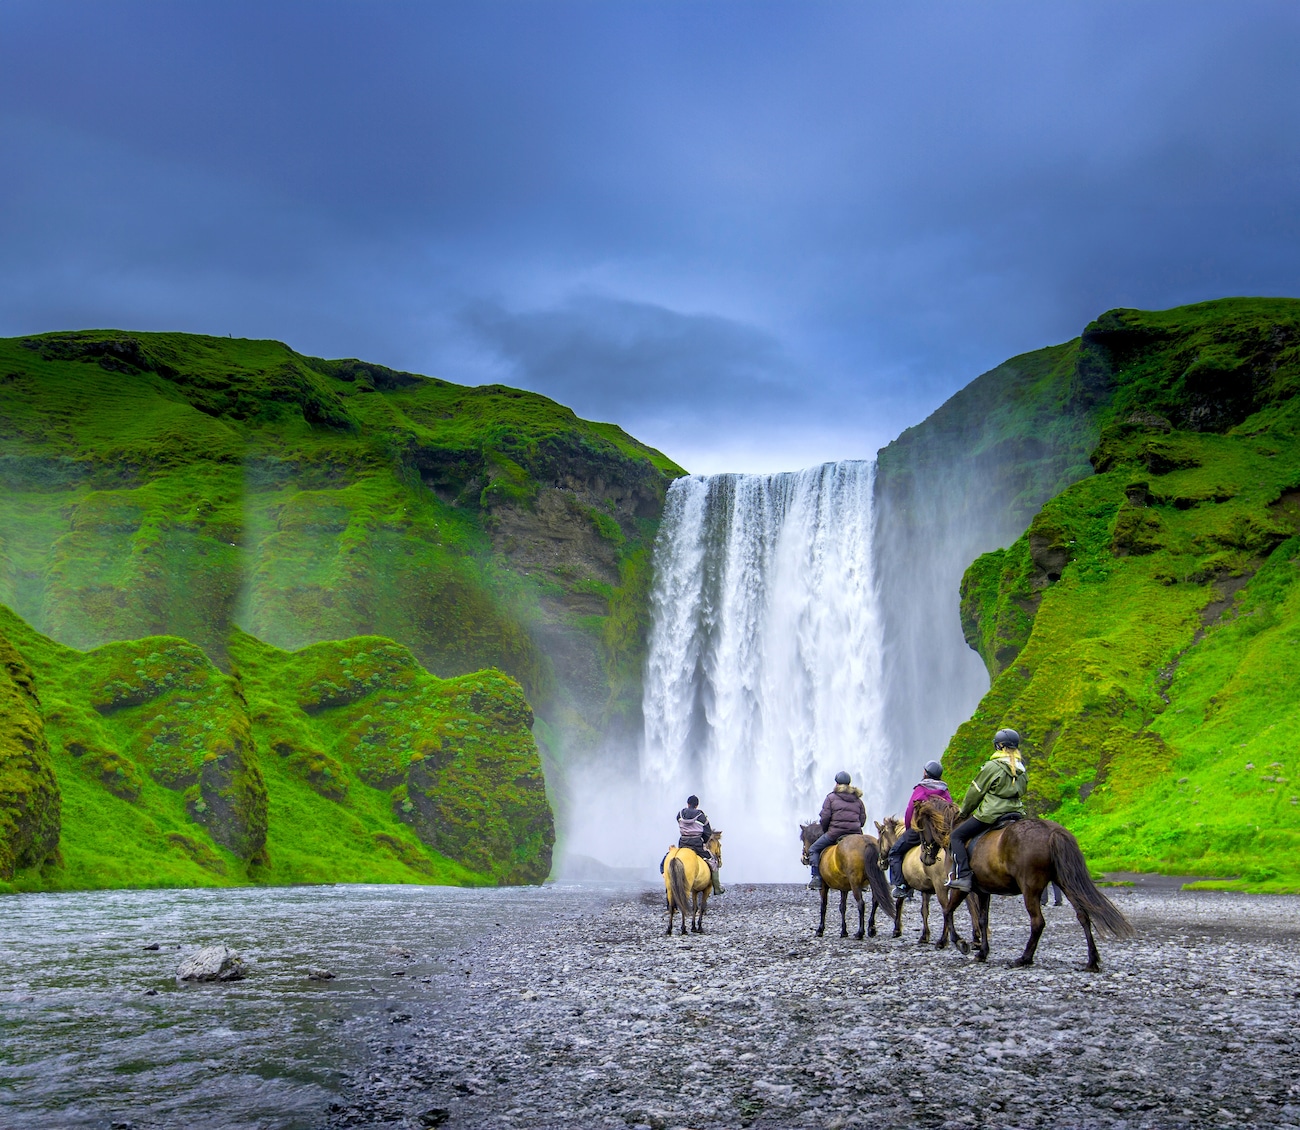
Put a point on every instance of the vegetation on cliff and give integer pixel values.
(172, 485)
(1141, 633)
(346, 761)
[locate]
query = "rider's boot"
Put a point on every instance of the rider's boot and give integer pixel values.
(959, 882)
(902, 891)
(815, 883)
(718, 888)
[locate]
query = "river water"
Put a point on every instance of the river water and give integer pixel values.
(96, 1031)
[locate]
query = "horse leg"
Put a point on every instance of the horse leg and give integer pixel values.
(954, 900)
(1094, 958)
(844, 906)
(704, 905)
(898, 918)
(821, 926)
(862, 914)
(983, 900)
(925, 918)
(871, 922)
(1034, 905)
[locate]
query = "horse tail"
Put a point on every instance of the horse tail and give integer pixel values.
(880, 890)
(677, 879)
(1072, 875)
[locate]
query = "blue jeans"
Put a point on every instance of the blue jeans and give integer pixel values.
(819, 845)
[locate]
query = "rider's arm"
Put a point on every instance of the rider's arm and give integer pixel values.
(975, 793)
(708, 831)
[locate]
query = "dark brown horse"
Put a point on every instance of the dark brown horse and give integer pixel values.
(852, 864)
(1022, 858)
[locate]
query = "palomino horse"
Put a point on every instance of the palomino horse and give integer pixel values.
(687, 879)
(924, 870)
(1021, 859)
(850, 865)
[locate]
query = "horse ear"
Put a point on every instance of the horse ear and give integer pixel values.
(879, 826)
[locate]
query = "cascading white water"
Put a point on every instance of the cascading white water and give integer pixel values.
(764, 675)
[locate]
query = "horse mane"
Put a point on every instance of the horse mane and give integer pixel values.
(892, 824)
(940, 812)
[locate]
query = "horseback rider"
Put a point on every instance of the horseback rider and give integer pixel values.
(930, 785)
(695, 833)
(843, 814)
(997, 791)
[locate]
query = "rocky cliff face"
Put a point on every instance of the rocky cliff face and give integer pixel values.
(29, 792)
(346, 761)
(173, 485)
(965, 481)
(1138, 632)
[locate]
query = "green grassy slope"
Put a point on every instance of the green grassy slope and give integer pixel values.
(343, 762)
(1142, 632)
(172, 484)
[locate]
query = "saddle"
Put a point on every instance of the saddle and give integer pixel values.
(1001, 822)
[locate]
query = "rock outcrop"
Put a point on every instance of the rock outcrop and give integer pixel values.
(212, 963)
(29, 792)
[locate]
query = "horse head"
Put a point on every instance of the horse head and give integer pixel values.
(715, 846)
(887, 833)
(933, 820)
(808, 834)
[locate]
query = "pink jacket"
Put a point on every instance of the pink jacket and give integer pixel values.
(923, 792)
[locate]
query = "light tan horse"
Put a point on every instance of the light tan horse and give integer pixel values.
(687, 879)
(926, 877)
(851, 865)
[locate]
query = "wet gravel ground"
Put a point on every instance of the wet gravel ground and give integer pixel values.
(602, 1021)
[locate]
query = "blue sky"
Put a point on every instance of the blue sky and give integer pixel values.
(757, 235)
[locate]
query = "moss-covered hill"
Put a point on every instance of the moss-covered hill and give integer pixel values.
(345, 761)
(1142, 632)
(172, 484)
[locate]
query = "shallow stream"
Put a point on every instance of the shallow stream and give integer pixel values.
(96, 1031)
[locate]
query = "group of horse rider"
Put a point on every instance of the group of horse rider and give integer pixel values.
(997, 792)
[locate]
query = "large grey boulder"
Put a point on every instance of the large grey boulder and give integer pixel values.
(212, 963)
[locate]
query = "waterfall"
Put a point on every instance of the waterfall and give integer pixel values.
(764, 672)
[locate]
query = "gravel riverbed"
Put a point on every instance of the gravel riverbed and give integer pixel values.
(599, 1020)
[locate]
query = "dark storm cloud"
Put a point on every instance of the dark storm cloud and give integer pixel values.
(752, 234)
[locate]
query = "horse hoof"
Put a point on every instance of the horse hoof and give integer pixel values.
(980, 955)
(871, 933)
(964, 947)
(858, 937)
(1092, 967)
(1019, 963)
(896, 934)
(819, 933)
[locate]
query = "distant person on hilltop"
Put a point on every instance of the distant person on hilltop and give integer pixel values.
(930, 785)
(843, 814)
(998, 791)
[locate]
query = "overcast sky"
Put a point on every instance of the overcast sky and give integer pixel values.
(757, 235)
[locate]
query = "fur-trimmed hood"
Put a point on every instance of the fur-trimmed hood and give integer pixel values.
(857, 792)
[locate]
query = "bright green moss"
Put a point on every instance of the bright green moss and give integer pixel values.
(1142, 632)
(346, 762)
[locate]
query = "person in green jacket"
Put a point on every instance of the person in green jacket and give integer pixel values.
(997, 790)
